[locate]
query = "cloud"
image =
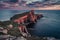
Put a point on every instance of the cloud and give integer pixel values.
(30, 1)
(51, 1)
(35, 4)
(53, 7)
(42, 3)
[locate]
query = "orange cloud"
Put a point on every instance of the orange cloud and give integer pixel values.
(53, 7)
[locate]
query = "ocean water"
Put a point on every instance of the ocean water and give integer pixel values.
(48, 26)
(7, 14)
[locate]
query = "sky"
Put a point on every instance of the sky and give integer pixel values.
(30, 1)
(44, 4)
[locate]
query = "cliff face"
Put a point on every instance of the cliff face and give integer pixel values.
(19, 15)
(15, 31)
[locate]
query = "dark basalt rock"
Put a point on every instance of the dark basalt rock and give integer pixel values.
(39, 16)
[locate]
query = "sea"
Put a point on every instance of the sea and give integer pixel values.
(47, 26)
